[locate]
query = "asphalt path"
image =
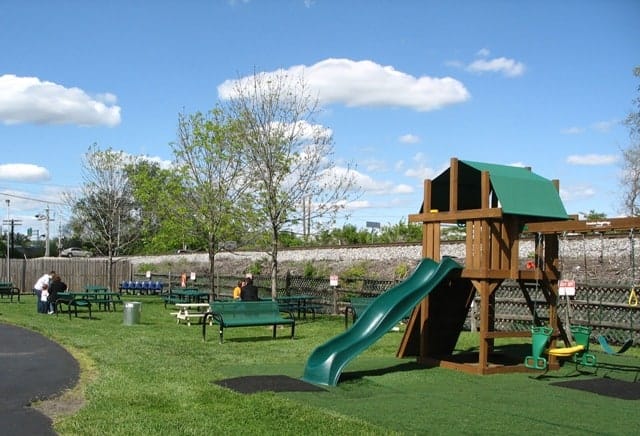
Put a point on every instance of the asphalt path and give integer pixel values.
(32, 368)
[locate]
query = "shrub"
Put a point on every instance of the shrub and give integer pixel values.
(401, 271)
(256, 267)
(357, 270)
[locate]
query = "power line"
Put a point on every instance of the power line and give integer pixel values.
(21, 197)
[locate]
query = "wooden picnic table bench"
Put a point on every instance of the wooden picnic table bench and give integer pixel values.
(299, 304)
(188, 312)
(101, 296)
(185, 295)
(7, 288)
(72, 299)
(228, 314)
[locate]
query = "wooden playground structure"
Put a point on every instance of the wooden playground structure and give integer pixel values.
(497, 205)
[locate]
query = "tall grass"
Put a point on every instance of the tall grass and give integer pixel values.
(158, 377)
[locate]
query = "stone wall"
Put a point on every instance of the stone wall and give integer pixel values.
(592, 260)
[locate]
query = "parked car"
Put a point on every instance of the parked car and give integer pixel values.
(75, 252)
(189, 251)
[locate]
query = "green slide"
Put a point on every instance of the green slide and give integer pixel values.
(326, 362)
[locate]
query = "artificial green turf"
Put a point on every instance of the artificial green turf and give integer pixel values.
(157, 378)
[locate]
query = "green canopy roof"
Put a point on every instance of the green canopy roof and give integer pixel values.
(519, 191)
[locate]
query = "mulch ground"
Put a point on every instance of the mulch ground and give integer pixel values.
(609, 387)
(271, 383)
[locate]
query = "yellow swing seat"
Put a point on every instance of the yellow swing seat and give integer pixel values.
(566, 351)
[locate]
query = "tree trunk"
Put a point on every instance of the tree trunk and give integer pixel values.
(110, 272)
(212, 268)
(274, 270)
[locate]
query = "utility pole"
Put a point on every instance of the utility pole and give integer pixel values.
(11, 223)
(8, 249)
(46, 218)
(59, 237)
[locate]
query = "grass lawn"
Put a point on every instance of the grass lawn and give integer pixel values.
(158, 377)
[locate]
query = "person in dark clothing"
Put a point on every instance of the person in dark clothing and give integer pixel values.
(249, 291)
(57, 285)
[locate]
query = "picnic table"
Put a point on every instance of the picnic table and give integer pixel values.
(190, 311)
(72, 299)
(299, 304)
(101, 296)
(186, 295)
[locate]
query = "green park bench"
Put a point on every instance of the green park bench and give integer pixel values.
(228, 314)
(7, 288)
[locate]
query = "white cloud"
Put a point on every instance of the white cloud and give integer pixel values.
(604, 126)
(376, 187)
(24, 173)
(421, 170)
(592, 159)
(403, 189)
(517, 164)
(572, 130)
(483, 53)
(366, 83)
(162, 163)
(31, 100)
(454, 64)
(578, 192)
(309, 132)
(357, 204)
(508, 67)
(409, 139)
(375, 165)
(599, 126)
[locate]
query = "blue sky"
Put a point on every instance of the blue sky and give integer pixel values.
(404, 86)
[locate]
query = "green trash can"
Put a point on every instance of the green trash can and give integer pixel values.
(131, 312)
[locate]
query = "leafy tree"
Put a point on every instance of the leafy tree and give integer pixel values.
(104, 213)
(630, 180)
(349, 234)
(209, 158)
(592, 215)
(288, 156)
(290, 239)
(401, 232)
(165, 223)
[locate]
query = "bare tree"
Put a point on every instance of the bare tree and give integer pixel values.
(208, 154)
(630, 180)
(290, 156)
(104, 210)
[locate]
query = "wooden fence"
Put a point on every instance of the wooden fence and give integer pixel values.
(76, 273)
(607, 309)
